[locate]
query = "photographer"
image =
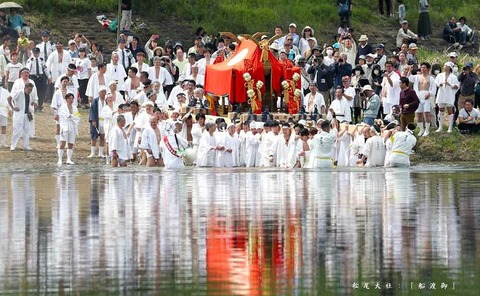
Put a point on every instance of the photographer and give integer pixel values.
(322, 77)
(305, 78)
(467, 79)
(341, 68)
(166, 62)
(371, 103)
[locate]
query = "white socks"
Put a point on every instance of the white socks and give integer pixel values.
(420, 126)
(101, 151)
(57, 139)
(69, 156)
(60, 155)
(427, 129)
(92, 151)
(441, 119)
(450, 123)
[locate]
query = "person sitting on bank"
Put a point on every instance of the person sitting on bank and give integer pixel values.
(469, 118)
(17, 23)
(404, 35)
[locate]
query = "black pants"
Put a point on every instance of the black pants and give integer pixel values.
(82, 89)
(41, 84)
(471, 128)
(389, 6)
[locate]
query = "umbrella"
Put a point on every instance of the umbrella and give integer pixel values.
(6, 5)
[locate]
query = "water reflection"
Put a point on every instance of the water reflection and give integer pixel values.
(241, 233)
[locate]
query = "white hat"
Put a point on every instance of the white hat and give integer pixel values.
(176, 110)
(148, 103)
(367, 87)
(449, 64)
(371, 55)
(363, 38)
(102, 88)
(253, 124)
(112, 82)
(274, 46)
(230, 125)
(292, 25)
(264, 37)
(453, 54)
(302, 122)
(259, 124)
(71, 42)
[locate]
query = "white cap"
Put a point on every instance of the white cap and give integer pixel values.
(101, 88)
(71, 42)
(259, 124)
(148, 103)
(453, 54)
(292, 25)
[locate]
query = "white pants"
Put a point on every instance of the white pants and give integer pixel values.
(126, 20)
(25, 30)
(21, 128)
(68, 137)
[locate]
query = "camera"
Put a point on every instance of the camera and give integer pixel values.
(340, 60)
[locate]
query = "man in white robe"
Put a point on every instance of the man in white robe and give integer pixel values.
(339, 108)
(252, 142)
(403, 143)
(22, 104)
(173, 146)
(150, 143)
(96, 81)
(323, 145)
(118, 144)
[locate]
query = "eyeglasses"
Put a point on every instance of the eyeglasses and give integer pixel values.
(289, 39)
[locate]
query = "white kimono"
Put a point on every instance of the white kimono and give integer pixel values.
(93, 86)
(321, 149)
(150, 141)
(4, 107)
(374, 150)
(55, 68)
(69, 121)
(341, 109)
(116, 73)
(224, 158)
(403, 143)
(72, 86)
(446, 94)
(170, 150)
(118, 141)
(343, 150)
(285, 151)
(108, 121)
(22, 127)
(206, 154)
(251, 149)
(57, 101)
(267, 148)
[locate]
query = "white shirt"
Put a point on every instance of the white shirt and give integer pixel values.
(341, 109)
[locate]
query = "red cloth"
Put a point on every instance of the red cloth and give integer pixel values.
(226, 78)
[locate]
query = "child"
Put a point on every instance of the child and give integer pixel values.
(22, 48)
(13, 70)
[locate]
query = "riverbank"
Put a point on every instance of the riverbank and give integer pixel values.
(438, 147)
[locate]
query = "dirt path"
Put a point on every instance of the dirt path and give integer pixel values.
(43, 151)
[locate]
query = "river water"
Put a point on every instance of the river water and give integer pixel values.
(236, 232)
